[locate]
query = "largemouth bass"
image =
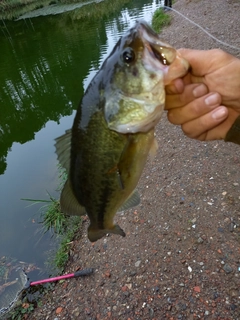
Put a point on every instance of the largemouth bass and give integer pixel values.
(113, 131)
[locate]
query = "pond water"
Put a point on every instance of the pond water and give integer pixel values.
(46, 64)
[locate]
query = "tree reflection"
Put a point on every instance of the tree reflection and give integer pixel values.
(45, 62)
(42, 73)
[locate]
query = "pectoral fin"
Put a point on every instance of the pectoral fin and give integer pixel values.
(68, 202)
(96, 234)
(132, 201)
(63, 147)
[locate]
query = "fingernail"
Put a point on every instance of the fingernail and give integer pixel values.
(219, 113)
(212, 99)
(199, 91)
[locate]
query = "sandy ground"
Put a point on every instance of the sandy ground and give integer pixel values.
(181, 256)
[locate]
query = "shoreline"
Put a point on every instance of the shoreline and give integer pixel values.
(15, 10)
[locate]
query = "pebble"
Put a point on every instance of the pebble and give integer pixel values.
(231, 227)
(76, 314)
(227, 268)
(235, 184)
(59, 310)
(151, 312)
(129, 285)
(200, 240)
(197, 289)
(137, 264)
(126, 293)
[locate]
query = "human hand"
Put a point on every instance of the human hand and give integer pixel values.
(203, 115)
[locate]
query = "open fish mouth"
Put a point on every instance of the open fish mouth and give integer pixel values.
(160, 56)
(159, 51)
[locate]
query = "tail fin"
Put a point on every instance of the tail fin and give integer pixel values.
(95, 234)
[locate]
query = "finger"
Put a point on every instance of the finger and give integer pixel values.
(190, 93)
(199, 128)
(195, 109)
(220, 131)
(177, 86)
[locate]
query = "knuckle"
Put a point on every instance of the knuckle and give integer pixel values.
(188, 131)
(171, 117)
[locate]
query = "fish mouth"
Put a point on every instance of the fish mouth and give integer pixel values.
(159, 56)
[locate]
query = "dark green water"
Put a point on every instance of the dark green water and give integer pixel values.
(46, 64)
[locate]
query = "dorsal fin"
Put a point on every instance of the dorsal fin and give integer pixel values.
(63, 148)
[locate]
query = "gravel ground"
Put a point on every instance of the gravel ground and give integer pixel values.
(181, 256)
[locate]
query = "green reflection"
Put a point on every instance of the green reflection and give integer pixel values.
(42, 69)
(43, 64)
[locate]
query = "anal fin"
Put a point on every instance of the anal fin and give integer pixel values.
(68, 202)
(132, 201)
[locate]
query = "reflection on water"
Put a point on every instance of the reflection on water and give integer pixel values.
(56, 9)
(48, 63)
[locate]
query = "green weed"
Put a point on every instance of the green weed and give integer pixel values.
(19, 312)
(160, 19)
(61, 256)
(63, 226)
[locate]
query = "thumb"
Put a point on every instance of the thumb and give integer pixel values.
(201, 61)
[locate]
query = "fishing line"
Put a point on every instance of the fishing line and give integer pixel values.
(204, 30)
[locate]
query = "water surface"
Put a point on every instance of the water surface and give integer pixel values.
(47, 63)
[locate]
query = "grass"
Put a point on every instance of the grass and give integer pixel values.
(20, 312)
(98, 11)
(61, 257)
(160, 19)
(63, 226)
(11, 9)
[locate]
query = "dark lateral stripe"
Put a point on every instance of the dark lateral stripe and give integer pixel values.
(104, 199)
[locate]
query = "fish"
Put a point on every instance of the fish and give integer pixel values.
(114, 129)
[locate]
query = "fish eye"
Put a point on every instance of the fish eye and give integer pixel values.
(128, 55)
